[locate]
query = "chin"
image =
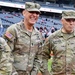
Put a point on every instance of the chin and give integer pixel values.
(32, 23)
(70, 31)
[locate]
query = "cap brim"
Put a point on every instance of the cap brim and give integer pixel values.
(36, 10)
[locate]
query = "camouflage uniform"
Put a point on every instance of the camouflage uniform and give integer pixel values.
(63, 47)
(5, 64)
(26, 48)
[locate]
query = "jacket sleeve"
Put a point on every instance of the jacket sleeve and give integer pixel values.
(9, 36)
(5, 59)
(46, 55)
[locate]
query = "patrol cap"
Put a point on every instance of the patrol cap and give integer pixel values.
(30, 6)
(68, 14)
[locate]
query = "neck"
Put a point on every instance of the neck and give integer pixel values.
(64, 31)
(28, 27)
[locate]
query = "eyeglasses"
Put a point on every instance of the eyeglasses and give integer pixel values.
(32, 12)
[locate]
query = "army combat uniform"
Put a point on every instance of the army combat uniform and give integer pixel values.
(5, 64)
(63, 47)
(26, 48)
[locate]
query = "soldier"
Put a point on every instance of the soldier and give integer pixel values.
(25, 41)
(5, 61)
(62, 44)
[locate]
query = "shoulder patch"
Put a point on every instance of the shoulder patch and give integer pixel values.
(8, 35)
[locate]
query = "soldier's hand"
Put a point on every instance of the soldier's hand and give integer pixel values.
(14, 73)
(39, 73)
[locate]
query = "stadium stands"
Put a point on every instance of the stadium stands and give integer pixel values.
(9, 18)
(45, 23)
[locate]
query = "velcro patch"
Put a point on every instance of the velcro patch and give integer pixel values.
(8, 35)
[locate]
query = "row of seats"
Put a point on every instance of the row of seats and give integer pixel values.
(9, 18)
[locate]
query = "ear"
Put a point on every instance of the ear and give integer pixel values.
(24, 11)
(61, 20)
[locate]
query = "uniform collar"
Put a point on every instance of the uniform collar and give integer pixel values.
(61, 34)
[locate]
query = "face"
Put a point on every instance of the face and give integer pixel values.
(68, 25)
(30, 17)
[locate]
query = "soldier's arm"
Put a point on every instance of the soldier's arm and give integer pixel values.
(5, 62)
(46, 55)
(9, 36)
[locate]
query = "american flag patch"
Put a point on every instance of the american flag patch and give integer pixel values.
(8, 35)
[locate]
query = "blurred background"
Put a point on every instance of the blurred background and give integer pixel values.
(49, 20)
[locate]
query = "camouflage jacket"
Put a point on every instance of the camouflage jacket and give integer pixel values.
(63, 47)
(5, 64)
(26, 47)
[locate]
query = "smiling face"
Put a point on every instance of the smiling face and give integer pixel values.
(68, 25)
(30, 18)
